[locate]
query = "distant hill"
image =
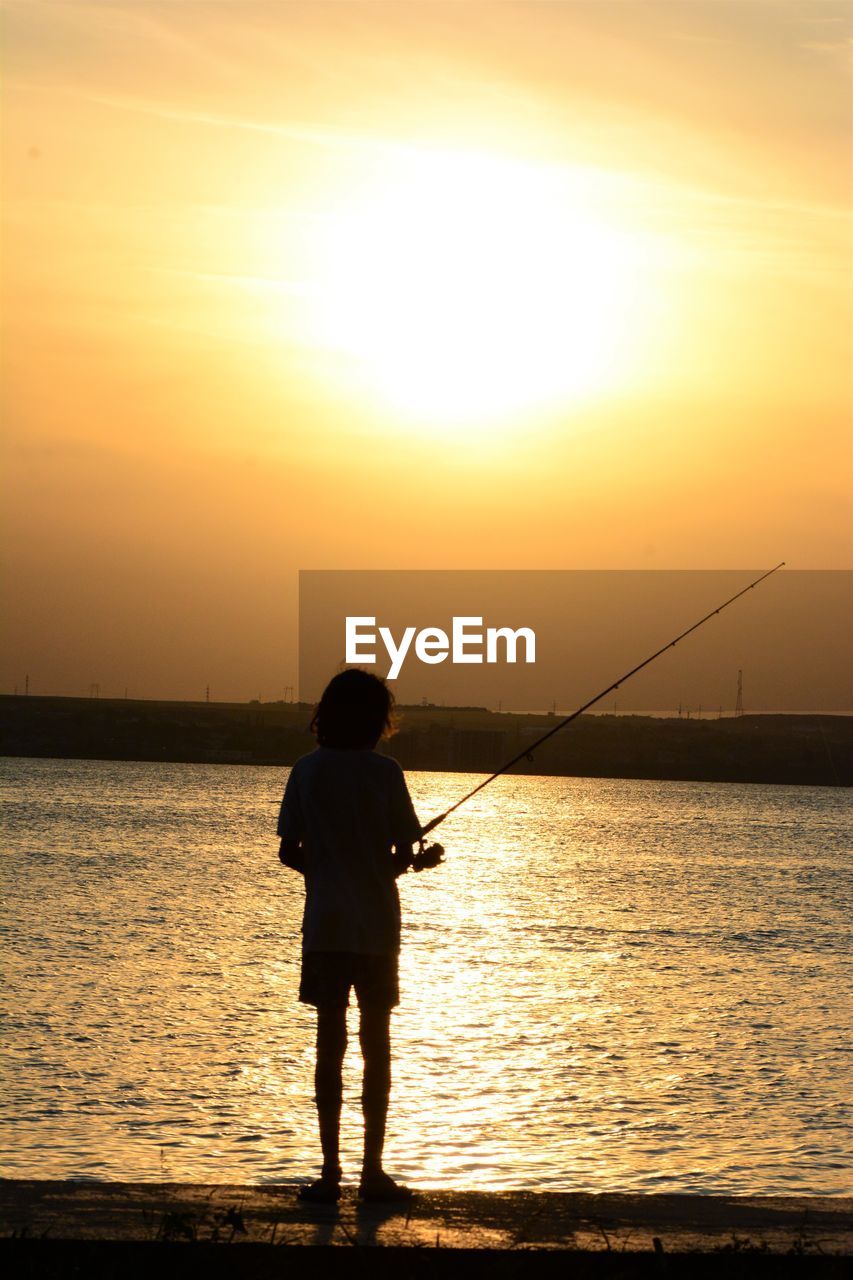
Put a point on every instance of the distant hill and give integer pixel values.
(806, 749)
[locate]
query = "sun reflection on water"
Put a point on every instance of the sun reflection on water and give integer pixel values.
(608, 985)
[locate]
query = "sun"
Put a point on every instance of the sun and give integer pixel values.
(467, 289)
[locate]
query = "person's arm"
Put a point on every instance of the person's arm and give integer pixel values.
(403, 858)
(290, 827)
(290, 855)
(407, 829)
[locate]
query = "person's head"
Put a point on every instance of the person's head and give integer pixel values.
(355, 711)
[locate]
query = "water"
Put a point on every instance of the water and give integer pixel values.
(609, 985)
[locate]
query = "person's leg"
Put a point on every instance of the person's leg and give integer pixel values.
(328, 1085)
(374, 1035)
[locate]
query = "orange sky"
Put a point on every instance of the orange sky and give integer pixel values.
(441, 285)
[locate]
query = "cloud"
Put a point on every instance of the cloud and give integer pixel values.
(293, 131)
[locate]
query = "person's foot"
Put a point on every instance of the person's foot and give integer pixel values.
(380, 1188)
(326, 1190)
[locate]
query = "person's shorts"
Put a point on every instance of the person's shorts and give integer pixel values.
(327, 977)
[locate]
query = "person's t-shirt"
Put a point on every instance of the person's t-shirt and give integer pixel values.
(348, 808)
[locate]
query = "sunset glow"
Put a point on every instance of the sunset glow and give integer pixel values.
(469, 288)
(428, 498)
(567, 283)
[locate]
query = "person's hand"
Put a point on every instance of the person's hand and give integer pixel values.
(427, 858)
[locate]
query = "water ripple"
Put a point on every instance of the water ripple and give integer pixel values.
(609, 985)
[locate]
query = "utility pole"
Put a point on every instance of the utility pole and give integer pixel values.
(26, 686)
(207, 694)
(739, 703)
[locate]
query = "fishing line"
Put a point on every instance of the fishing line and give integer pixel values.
(527, 753)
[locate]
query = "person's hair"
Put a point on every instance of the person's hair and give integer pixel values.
(355, 711)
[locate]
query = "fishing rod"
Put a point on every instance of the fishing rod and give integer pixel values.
(527, 753)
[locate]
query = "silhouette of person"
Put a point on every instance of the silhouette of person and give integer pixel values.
(348, 825)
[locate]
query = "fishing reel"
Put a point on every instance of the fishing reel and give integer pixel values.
(427, 856)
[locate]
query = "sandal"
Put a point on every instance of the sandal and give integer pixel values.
(384, 1190)
(323, 1191)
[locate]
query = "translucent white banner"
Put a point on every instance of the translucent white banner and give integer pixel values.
(549, 640)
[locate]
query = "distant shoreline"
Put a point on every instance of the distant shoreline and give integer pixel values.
(813, 750)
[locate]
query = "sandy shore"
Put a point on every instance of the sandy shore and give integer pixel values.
(111, 1228)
